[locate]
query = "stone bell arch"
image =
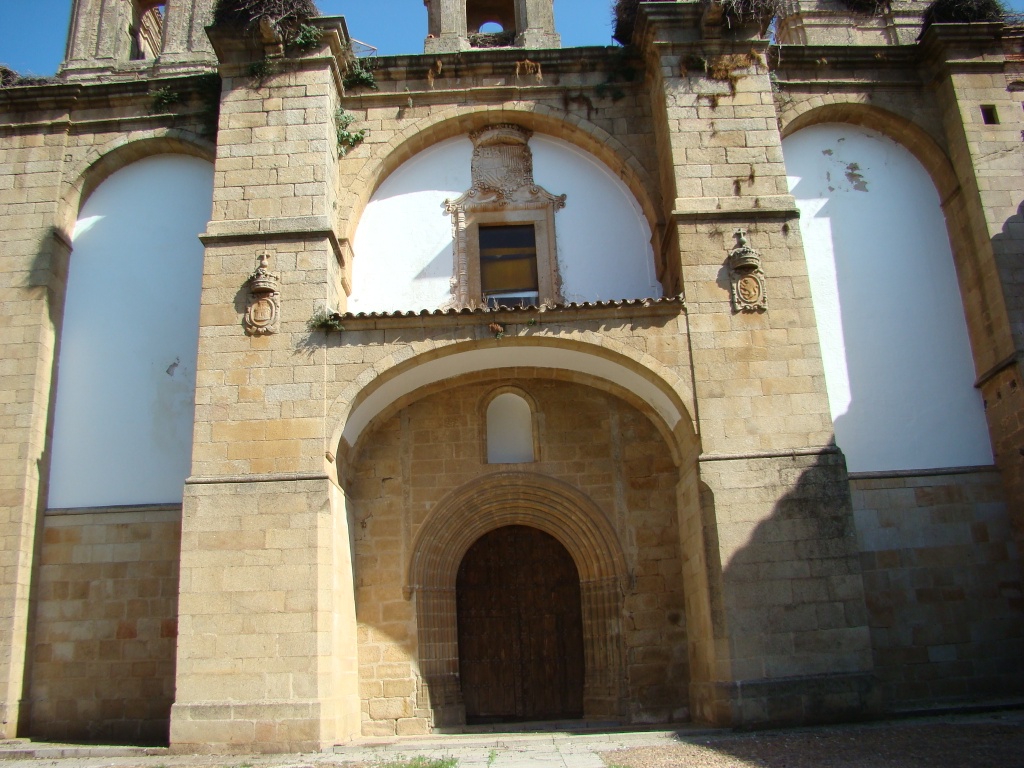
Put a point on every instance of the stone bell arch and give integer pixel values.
(526, 23)
(112, 36)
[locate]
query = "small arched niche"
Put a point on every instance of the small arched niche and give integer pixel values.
(510, 434)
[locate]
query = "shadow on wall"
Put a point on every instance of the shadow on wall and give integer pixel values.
(836, 608)
(1008, 399)
(942, 594)
(791, 603)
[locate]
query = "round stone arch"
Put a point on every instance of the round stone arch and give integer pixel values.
(455, 121)
(971, 246)
(638, 377)
(102, 162)
(556, 508)
(898, 128)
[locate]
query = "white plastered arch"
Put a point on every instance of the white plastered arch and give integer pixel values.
(659, 388)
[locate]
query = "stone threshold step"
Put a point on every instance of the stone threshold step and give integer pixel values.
(24, 749)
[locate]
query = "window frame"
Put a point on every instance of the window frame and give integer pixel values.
(543, 221)
(503, 192)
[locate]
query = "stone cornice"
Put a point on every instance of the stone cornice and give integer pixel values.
(43, 106)
(964, 47)
(520, 316)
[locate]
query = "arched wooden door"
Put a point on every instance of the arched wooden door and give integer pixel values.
(520, 628)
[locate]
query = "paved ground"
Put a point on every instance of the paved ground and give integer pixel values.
(994, 740)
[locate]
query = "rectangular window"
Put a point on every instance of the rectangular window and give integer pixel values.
(989, 116)
(508, 265)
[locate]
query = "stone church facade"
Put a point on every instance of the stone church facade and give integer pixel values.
(533, 383)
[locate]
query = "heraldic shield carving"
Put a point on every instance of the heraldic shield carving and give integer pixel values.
(503, 192)
(502, 170)
(748, 284)
(263, 313)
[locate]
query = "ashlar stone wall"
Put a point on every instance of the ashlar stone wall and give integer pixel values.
(943, 585)
(588, 438)
(106, 627)
(57, 143)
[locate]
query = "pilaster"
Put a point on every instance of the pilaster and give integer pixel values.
(983, 124)
(835, 22)
(779, 623)
(99, 35)
(100, 40)
(266, 653)
(536, 24)
(266, 636)
(185, 40)
(33, 273)
(446, 22)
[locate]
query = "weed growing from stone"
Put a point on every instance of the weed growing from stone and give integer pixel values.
(347, 139)
(308, 37)
(163, 99)
(360, 75)
(420, 762)
(324, 320)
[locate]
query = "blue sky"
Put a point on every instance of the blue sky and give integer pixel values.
(393, 26)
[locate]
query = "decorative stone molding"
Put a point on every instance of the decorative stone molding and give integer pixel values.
(748, 283)
(502, 169)
(517, 498)
(503, 191)
(263, 312)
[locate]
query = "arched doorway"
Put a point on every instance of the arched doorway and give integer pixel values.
(520, 628)
(490, 503)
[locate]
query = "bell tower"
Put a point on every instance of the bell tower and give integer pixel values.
(455, 25)
(849, 22)
(108, 38)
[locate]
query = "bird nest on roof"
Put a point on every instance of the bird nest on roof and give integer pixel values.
(287, 15)
(963, 12)
(742, 11)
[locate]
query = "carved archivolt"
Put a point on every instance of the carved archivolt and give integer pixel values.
(517, 498)
(503, 191)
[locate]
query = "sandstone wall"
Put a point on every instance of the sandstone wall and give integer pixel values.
(943, 585)
(105, 626)
(588, 438)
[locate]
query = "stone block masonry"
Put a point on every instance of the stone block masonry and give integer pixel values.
(106, 626)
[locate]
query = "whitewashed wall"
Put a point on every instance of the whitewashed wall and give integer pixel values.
(403, 244)
(126, 376)
(898, 364)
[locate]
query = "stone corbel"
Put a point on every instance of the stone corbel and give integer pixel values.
(746, 277)
(263, 312)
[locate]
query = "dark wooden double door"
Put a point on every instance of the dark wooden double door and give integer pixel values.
(520, 628)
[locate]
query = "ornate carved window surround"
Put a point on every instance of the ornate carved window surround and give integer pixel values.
(503, 192)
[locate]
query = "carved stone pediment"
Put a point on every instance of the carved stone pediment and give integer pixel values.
(502, 169)
(503, 192)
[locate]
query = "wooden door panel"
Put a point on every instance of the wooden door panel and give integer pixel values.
(520, 628)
